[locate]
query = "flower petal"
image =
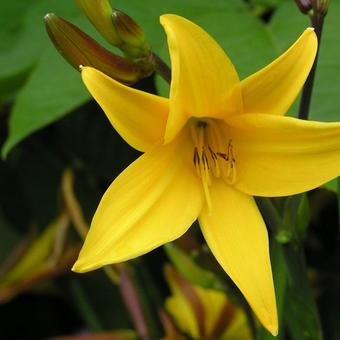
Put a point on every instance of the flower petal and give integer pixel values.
(237, 236)
(279, 156)
(202, 75)
(183, 315)
(154, 201)
(139, 117)
(274, 88)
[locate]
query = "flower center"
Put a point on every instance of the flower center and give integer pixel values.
(213, 153)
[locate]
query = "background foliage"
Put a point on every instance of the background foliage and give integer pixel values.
(48, 123)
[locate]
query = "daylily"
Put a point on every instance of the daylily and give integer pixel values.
(204, 313)
(210, 147)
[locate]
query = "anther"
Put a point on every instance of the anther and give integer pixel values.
(223, 156)
(213, 155)
(205, 160)
(196, 157)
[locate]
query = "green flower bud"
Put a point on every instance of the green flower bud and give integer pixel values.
(81, 50)
(99, 13)
(131, 34)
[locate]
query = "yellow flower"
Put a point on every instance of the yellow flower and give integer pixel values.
(208, 148)
(204, 313)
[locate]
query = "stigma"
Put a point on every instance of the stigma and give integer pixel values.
(213, 154)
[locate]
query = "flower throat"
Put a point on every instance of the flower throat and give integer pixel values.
(213, 154)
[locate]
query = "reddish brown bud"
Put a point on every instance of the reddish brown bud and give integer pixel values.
(81, 50)
(131, 34)
(321, 6)
(304, 5)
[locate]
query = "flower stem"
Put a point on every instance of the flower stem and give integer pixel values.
(270, 213)
(317, 21)
(162, 68)
(130, 295)
(76, 215)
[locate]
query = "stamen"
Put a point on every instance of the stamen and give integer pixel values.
(212, 155)
(205, 159)
(207, 195)
(197, 161)
(213, 145)
(223, 156)
(196, 157)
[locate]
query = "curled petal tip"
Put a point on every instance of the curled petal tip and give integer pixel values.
(75, 268)
(78, 268)
(273, 329)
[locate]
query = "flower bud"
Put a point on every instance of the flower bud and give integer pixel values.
(321, 6)
(99, 13)
(131, 34)
(81, 50)
(304, 5)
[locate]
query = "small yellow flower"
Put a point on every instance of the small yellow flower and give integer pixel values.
(210, 147)
(204, 313)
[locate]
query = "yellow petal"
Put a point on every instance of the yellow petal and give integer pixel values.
(182, 313)
(236, 234)
(274, 88)
(184, 305)
(202, 75)
(239, 328)
(213, 302)
(154, 201)
(139, 117)
(279, 156)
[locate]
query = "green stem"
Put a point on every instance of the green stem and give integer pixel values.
(303, 321)
(317, 22)
(150, 297)
(131, 297)
(251, 320)
(270, 213)
(84, 306)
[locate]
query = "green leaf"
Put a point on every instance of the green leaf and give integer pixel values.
(53, 90)
(34, 257)
(30, 39)
(189, 269)
(285, 25)
(332, 185)
(301, 312)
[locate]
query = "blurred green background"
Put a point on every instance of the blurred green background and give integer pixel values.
(48, 123)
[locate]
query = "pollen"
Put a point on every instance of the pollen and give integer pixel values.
(213, 154)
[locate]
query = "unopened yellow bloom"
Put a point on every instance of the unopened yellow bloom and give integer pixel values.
(210, 147)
